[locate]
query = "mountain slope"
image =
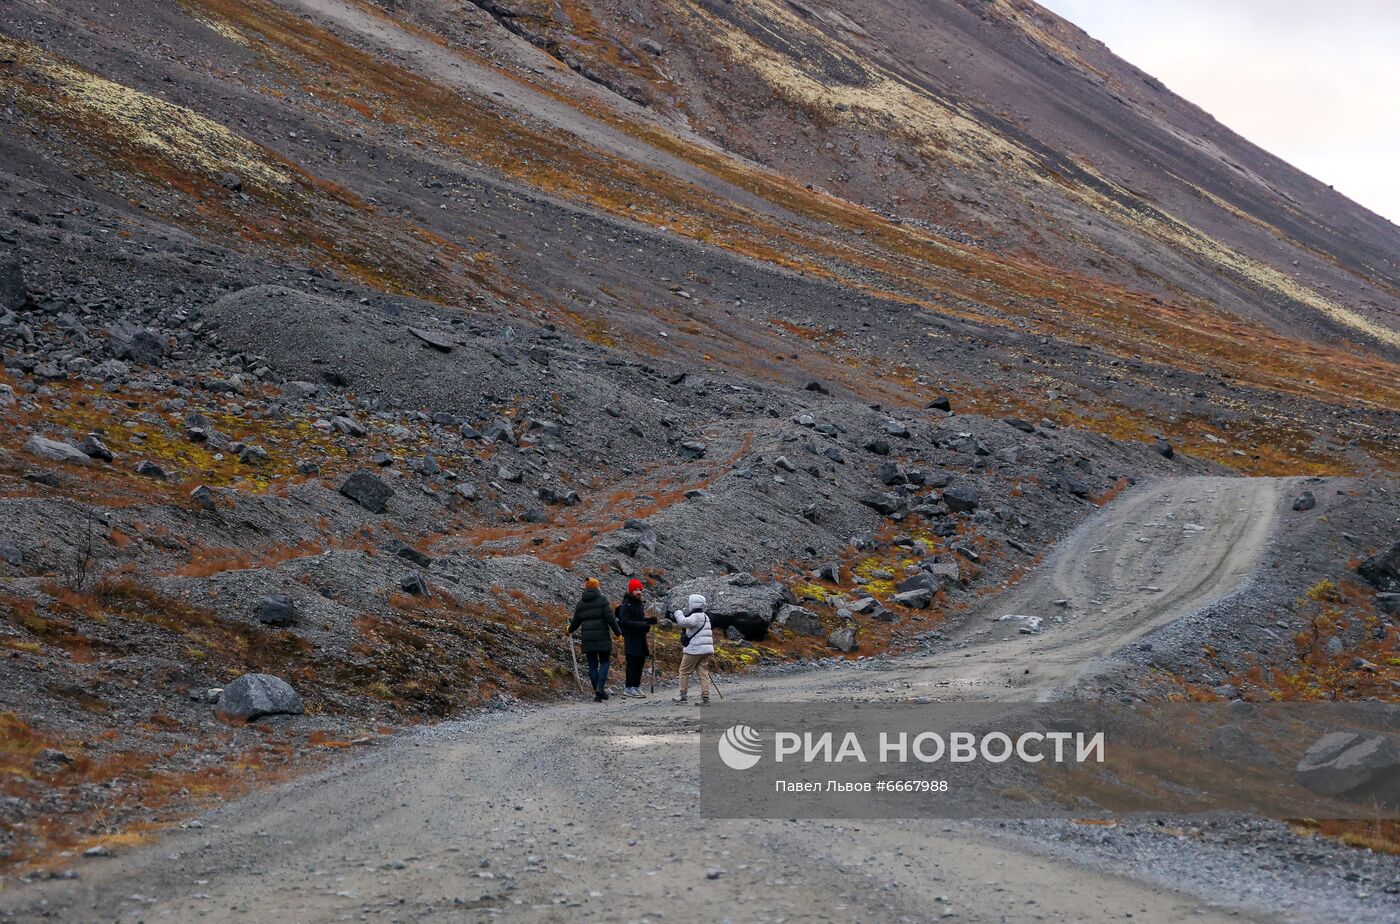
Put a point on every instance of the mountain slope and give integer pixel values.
(787, 298)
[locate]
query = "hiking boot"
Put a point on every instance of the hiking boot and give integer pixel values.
(598, 696)
(704, 701)
(634, 693)
(681, 699)
(602, 695)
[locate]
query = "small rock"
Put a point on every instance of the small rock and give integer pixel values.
(277, 610)
(960, 498)
(1074, 485)
(798, 619)
(918, 599)
(498, 430)
(55, 758)
(136, 344)
(407, 552)
(347, 426)
(843, 639)
(1382, 570)
(367, 490)
(892, 474)
(896, 429)
(148, 469)
(440, 342)
(203, 498)
(414, 583)
(1304, 501)
(886, 504)
(93, 447)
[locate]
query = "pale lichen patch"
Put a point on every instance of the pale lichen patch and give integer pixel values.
(145, 125)
(224, 29)
(939, 128)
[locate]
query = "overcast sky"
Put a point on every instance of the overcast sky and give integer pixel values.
(1316, 82)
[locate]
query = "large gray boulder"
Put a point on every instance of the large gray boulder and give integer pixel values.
(55, 450)
(1352, 766)
(1382, 570)
(733, 600)
(253, 696)
(13, 293)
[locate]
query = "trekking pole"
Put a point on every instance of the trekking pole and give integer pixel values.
(653, 672)
(573, 656)
(714, 682)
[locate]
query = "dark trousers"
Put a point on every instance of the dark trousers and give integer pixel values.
(597, 668)
(635, 665)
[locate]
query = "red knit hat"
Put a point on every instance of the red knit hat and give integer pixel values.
(634, 587)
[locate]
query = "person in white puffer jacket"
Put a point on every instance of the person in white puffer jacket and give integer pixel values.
(698, 637)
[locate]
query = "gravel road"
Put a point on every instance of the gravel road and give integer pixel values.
(1159, 552)
(585, 811)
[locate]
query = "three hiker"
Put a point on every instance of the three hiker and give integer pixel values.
(636, 625)
(596, 625)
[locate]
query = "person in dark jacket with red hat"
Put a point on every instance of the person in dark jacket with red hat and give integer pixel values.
(636, 624)
(596, 625)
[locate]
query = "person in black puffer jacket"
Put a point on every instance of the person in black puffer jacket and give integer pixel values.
(596, 625)
(632, 616)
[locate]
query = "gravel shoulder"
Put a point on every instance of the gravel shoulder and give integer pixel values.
(580, 811)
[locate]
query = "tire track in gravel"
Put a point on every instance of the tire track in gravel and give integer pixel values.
(1158, 553)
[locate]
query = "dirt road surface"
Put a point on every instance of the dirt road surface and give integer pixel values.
(590, 812)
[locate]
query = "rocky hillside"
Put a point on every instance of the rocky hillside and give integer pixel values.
(342, 340)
